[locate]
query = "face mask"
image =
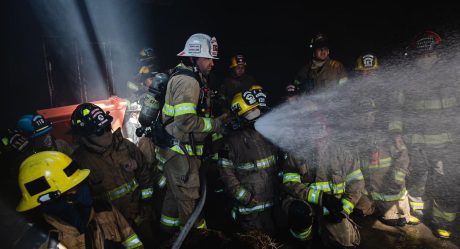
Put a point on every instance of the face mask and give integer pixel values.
(104, 140)
(82, 197)
(74, 209)
(253, 115)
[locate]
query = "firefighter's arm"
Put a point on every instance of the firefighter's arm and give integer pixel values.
(354, 185)
(228, 176)
(185, 98)
(143, 176)
(301, 78)
(342, 73)
(400, 156)
(292, 183)
(129, 238)
(396, 103)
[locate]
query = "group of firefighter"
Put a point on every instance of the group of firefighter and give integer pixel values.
(112, 188)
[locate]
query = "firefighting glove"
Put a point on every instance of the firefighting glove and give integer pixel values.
(253, 202)
(222, 119)
(333, 204)
(400, 222)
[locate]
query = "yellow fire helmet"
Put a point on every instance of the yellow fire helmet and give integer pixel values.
(367, 62)
(256, 87)
(237, 60)
(44, 176)
(244, 102)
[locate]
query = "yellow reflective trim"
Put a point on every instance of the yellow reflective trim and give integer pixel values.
(323, 186)
(417, 205)
(85, 112)
(348, 206)
(184, 108)
(202, 225)
(259, 164)
(199, 150)
(383, 163)
(385, 197)
(132, 242)
(162, 182)
(313, 196)
(258, 208)
(147, 193)
(449, 102)
(356, 175)
(400, 176)
(291, 177)
(5, 141)
(169, 221)
(168, 110)
(207, 125)
(122, 190)
(431, 139)
(449, 217)
(304, 235)
(225, 163)
(241, 194)
(216, 136)
(436, 104)
(160, 158)
(395, 126)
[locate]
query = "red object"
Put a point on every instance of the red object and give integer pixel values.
(60, 116)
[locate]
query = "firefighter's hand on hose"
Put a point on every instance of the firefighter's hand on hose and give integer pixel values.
(253, 202)
(222, 120)
(333, 204)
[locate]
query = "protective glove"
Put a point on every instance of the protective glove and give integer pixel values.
(333, 204)
(253, 202)
(400, 222)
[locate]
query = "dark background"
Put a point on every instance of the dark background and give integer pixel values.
(274, 38)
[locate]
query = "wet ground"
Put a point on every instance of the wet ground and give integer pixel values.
(376, 235)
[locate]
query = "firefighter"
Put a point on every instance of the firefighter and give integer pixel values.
(119, 172)
(291, 93)
(321, 71)
(148, 59)
(384, 163)
(187, 123)
(323, 189)
(422, 114)
(239, 80)
(248, 168)
(38, 131)
(261, 96)
(53, 183)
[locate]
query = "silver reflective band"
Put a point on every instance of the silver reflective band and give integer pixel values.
(147, 193)
(258, 208)
(259, 164)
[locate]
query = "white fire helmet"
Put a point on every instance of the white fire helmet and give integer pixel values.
(200, 45)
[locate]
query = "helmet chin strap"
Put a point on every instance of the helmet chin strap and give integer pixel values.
(194, 65)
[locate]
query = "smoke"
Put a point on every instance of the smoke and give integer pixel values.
(423, 92)
(91, 46)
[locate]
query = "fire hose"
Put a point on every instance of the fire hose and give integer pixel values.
(196, 212)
